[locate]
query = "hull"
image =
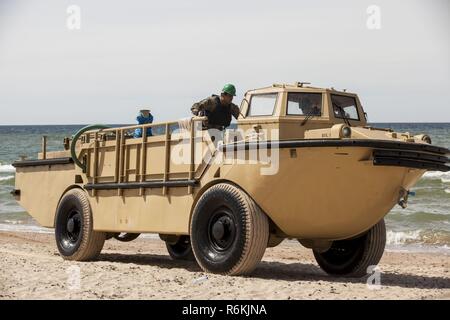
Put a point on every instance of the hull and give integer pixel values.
(326, 193)
(327, 189)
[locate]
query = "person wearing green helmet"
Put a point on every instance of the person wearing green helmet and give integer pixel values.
(218, 109)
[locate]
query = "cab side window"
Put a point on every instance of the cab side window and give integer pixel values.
(304, 104)
(262, 104)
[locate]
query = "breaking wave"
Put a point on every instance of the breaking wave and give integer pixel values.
(402, 237)
(436, 175)
(23, 228)
(419, 237)
(6, 178)
(7, 168)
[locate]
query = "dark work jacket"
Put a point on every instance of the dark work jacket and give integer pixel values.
(218, 116)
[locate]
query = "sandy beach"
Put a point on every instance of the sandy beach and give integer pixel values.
(32, 269)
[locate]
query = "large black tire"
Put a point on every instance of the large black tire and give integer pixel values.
(181, 250)
(75, 237)
(351, 258)
(229, 232)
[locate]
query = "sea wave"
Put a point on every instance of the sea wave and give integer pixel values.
(402, 237)
(6, 178)
(419, 237)
(419, 248)
(17, 227)
(436, 175)
(418, 217)
(24, 228)
(6, 168)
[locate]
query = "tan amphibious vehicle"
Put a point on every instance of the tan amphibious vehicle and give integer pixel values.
(302, 164)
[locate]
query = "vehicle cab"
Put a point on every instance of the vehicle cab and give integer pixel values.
(296, 109)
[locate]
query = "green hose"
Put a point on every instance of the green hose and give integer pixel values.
(75, 139)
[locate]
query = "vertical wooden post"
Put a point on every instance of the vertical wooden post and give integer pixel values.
(192, 147)
(121, 160)
(167, 158)
(143, 159)
(88, 163)
(44, 147)
(95, 169)
(116, 171)
(138, 163)
(126, 160)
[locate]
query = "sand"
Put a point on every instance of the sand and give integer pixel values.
(142, 269)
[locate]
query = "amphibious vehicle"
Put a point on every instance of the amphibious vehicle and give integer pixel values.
(302, 164)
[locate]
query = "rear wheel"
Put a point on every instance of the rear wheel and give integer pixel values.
(181, 249)
(126, 237)
(229, 232)
(75, 237)
(352, 257)
(274, 241)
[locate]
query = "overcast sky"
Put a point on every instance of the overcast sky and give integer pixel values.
(167, 55)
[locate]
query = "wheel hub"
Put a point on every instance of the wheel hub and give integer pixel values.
(222, 231)
(70, 225)
(73, 226)
(218, 230)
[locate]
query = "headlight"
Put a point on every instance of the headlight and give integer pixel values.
(424, 137)
(346, 132)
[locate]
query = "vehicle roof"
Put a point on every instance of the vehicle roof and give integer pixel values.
(297, 87)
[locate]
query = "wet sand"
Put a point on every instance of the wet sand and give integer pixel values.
(32, 269)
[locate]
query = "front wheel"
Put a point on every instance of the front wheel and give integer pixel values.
(352, 257)
(75, 237)
(229, 232)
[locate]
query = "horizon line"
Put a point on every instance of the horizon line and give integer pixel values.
(84, 124)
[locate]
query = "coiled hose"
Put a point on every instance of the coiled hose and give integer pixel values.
(75, 139)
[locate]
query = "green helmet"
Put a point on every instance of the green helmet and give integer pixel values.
(230, 89)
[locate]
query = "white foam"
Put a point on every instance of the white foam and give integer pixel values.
(24, 228)
(6, 178)
(402, 237)
(447, 190)
(437, 175)
(15, 226)
(7, 168)
(419, 248)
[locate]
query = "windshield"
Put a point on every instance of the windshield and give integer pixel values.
(304, 104)
(344, 106)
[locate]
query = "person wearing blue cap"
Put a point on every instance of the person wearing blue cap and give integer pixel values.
(143, 117)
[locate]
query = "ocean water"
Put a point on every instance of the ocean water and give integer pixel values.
(424, 225)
